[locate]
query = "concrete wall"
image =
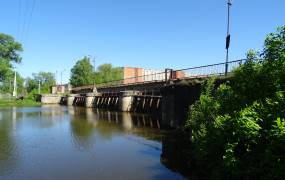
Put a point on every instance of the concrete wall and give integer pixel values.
(5, 96)
(176, 100)
(50, 99)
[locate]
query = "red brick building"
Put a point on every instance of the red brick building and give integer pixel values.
(135, 75)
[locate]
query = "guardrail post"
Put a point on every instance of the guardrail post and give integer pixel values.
(240, 62)
(166, 70)
(170, 72)
(226, 70)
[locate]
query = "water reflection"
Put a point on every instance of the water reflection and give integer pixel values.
(8, 148)
(82, 126)
(86, 122)
(50, 142)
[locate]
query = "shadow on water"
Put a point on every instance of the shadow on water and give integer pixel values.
(174, 152)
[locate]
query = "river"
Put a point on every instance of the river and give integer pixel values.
(60, 142)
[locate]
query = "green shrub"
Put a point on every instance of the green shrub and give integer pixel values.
(237, 131)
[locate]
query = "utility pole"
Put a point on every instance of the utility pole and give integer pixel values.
(15, 85)
(61, 76)
(94, 70)
(55, 77)
(94, 87)
(93, 60)
(228, 38)
(39, 87)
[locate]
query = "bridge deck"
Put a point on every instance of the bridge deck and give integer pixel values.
(154, 81)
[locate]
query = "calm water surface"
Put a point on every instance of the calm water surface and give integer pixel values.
(58, 142)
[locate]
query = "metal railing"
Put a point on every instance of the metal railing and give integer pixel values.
(136, 80)
(169, 74)
(206, 71)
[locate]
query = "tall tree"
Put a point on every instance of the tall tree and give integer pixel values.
(46, 79)
(106, 73)
(9, 54)
(10, 49)
(82, 73)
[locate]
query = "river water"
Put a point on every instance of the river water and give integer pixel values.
(59, 142)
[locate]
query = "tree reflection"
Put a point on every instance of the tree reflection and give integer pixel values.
(46, 116)
(8, 150)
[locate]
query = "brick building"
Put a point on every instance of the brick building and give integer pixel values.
(60, 89)
(135, 75)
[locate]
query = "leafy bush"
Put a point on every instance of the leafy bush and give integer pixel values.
(238, 129)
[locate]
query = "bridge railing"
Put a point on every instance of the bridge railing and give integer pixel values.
(206, 71)
(156, 77)
(169, 74)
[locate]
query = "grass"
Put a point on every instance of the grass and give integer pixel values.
(14, 102)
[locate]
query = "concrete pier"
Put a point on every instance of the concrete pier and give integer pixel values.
(50, 98)
(90, 100)
(70, 99)
(126, 100)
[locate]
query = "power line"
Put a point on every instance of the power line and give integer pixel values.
(19, 19)
(25, 7)
(29, 20)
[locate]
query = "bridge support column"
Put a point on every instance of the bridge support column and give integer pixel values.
(90, 100)
(126, 100)
(175, 103)
(70, 99)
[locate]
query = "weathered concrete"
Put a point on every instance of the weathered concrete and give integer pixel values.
(90, 100)
(70, 99)
(176, 100)
(168, 110)
(126, 100)
(50, 98)
(125, 103)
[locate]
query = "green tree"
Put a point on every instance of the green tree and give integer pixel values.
(82, 73)
(9, 54)
(31, 84)
(8, 84)
(107, 73)
(10, 49)
(46, 79)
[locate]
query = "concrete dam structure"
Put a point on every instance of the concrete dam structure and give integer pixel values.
(170, 97)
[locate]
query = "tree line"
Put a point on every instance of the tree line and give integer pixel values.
(10, 55)
(82, 73)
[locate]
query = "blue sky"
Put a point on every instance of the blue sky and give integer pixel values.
(141, 33)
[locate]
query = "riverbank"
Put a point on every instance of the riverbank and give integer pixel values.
(20, 103)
